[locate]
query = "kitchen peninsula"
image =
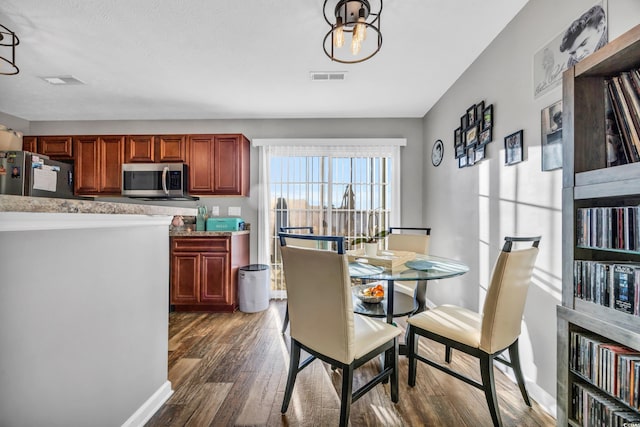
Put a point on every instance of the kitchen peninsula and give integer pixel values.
(83, 311)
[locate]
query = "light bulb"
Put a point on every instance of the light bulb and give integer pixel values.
(338, 34)
(355, 45)
(361, 30)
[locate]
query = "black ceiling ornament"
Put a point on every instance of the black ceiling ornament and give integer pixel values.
(356, 18)
(8, 39)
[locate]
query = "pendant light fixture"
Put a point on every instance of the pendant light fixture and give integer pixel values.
(354, 18)
(9, 39)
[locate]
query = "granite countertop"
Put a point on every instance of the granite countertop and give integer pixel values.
(50, 205)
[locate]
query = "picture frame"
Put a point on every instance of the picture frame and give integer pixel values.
(471, 135)
(471, 116)
(486, 136)
(462, 161)
(487, 117)
(457, 137)
(552, 59)
(479, 153)
(551, 136)
(479, 111)
(464, 122)
(471, 156)
(513, 148)
(459, 151)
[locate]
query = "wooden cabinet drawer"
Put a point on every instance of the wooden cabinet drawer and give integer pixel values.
(200, 244)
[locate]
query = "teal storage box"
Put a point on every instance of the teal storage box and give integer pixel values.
(224, 224)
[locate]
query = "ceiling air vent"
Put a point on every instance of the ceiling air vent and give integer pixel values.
(62, 80)
(325, 76)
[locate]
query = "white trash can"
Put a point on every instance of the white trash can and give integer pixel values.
(253, 288)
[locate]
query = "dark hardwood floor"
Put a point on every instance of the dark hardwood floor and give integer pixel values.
(231, 369)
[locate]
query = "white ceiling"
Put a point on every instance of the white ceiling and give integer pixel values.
(223, 59)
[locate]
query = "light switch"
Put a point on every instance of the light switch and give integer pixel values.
(235, 211)
(215, 210)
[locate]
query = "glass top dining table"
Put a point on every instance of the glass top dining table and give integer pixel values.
(396, 304)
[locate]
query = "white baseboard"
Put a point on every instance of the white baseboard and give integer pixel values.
(148, 408)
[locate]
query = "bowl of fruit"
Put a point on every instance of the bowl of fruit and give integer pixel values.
(370, 292)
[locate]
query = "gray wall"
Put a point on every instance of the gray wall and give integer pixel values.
(472, 209)
(412, 154)
(83, 324)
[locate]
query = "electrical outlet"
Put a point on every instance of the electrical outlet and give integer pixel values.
(235, 211)
(215, 210)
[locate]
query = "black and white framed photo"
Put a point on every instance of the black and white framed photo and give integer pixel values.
(457, 136)
(479, 110)
(464, 122)
(586, 34)
(551, 131)
(460, 151)
(471, 156)
(487, 117)
(471, 115)
(486, 136)
(479, 153)
(462, 161)
(513, 148)
(437, 153)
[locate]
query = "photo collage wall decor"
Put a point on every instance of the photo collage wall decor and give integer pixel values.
(473, 135)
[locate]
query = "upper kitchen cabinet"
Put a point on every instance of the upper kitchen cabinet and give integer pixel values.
(139, 149)
(171, 148)
(98, 163)
(150, 149)
(218, 165)
(30, 143)
(56, 147)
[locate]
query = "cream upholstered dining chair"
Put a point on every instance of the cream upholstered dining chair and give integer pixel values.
(412, 239)
(294, 241)
(324, 325)
(485, 335)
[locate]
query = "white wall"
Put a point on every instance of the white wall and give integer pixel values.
(470, 210)
(412, 154)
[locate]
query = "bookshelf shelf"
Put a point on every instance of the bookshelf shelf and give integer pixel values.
(589, 183)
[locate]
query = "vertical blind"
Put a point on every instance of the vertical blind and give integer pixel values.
(349, 189)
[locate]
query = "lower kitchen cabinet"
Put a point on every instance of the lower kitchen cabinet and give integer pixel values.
(204, 271)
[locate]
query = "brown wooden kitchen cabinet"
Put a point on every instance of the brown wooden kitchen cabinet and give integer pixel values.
(30, 143)
(204, 272)
(171, 148)
(56, 147)
(150, 149)
(218, 165)
(139, 149)
(98, 164)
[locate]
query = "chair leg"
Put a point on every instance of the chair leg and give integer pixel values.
(286, 319)
(514, 356)
(394, 373)
(294, 362)
(489, 386)
(347, 389)
(447, 354)
(412, 349)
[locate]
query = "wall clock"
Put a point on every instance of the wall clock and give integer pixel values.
(437, 153)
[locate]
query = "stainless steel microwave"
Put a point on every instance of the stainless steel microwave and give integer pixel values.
(154, 180)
